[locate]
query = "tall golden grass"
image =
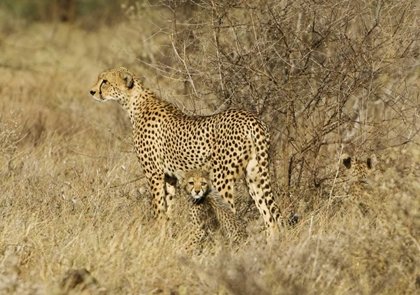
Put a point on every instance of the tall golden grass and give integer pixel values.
(73, 195)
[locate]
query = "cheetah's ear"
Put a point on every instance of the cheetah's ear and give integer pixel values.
(206, 174)
(346, 161)
(128, 78)
(180, 175)
(371, 161)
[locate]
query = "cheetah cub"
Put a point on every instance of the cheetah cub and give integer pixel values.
(358, 174)
(358, 182)
(208, 212)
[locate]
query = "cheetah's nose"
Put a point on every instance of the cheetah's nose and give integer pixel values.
(92, 92)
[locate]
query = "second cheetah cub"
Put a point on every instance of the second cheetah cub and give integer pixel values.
(208, 211)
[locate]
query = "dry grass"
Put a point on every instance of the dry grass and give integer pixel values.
(73, 196)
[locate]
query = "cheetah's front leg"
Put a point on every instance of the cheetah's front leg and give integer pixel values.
(199, 231)
(157, 185)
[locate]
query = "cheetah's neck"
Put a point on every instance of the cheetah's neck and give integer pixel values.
(142, 100)
(139, 100)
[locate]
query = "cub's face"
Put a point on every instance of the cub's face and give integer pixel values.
(358, 173)
(359, 168)
(196, 185)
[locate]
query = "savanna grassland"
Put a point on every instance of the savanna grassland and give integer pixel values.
(329, 78)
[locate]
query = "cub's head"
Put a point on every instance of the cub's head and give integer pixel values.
(196, 183)
(113, 84)
(358, 174)
(359, 168)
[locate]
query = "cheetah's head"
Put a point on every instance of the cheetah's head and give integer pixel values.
(113, 84)
(359, 168)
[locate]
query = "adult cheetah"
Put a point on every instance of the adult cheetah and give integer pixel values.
(208, 212)
(167, 140)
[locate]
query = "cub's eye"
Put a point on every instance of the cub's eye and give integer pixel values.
(104, 81)
(191, 182)
(203, 183)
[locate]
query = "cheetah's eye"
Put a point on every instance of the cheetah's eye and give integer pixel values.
(203, 183)
(104, 81)
(191, 182)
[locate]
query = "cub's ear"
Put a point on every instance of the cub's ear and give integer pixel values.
(346, 160)
(128, 78)
(372, 161)
(180, 175)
